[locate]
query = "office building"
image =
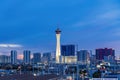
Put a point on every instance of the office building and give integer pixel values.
(26, 57)
(13, 57)
(83, 56)
(4, 59)
(101, 53)
(69, 59)
(93, 59)
(68, 50)
(36, 58)
(47, 57)
(110, 59)
(68, 54)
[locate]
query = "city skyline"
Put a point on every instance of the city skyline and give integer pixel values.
(30, 25)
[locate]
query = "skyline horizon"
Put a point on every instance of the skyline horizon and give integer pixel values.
(20, 53)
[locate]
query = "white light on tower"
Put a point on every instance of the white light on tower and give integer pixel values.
(58, 52)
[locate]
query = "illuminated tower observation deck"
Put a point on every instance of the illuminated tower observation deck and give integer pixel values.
(58, 52)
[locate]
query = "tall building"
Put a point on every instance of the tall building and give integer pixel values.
(68, 50)
(68, 54)
(110, 59)
(26, 57)
(83, 56)
(47, 57)
(4, 59)
(101, 53)
(58, 52)
(93, 59)
(13, 57)
(36, 57)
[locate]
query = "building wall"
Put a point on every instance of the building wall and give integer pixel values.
(47, 57)
(13, 57)
(4, 59)
(26, 57)
(100, 53)
(68, 50)
(83, 56)
(69, 59)
(36, 57)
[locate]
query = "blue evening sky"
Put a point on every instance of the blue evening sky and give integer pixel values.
(90, 24)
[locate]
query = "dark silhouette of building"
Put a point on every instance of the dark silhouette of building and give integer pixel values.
(47, 57)
(13, 57)
(36, 57)
(68, 50)
(101, 53)
(83, 56)
(4, 59)
(26, 57)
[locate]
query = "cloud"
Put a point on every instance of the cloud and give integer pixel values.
(105, 19)
(111, 14)
(10, 45)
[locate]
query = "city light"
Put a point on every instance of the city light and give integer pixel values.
(10, 45)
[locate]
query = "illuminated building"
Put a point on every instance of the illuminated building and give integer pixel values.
(68, 53)
(69, 59)
(58, 52)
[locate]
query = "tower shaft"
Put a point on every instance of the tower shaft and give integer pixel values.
(58, 52)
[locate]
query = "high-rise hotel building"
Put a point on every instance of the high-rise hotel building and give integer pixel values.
(26, 57)
(101, 53)
(83, 56)
(36, 58)
(13, 57)
(68, 50)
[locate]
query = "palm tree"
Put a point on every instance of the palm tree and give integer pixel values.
(97, 74)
